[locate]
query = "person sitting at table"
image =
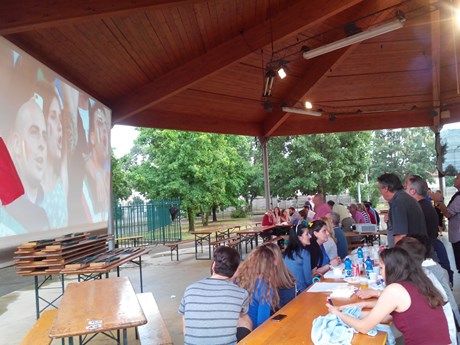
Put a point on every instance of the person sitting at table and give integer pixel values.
(330, 246)
(258, 276)
(320, 261)
(297, 255)
(342, 245)
(356, 214)
(295, 216)
(214, 309)
(267, 219)
(286, 280)
(409, 297)
(277, 215)
(419, 249)
(285, 217)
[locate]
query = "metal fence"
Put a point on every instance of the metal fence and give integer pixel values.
(158, 221)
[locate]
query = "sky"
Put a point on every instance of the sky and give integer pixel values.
(122, 139)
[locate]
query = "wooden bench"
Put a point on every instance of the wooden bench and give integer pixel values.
(174, 246)
(38, 335)
(274, 239)
(154, 332)
(134, 239)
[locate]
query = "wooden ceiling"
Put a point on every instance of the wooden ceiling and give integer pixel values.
(200, 65)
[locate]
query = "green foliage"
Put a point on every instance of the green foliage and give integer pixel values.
(327, 163)
(203, 169)
(403, 152)
(239, 212)
(120, 186)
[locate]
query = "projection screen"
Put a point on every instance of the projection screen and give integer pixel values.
(58, 138)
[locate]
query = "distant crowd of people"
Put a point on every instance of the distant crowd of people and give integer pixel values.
(239, 297)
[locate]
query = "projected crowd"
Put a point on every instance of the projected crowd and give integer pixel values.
(58, 139)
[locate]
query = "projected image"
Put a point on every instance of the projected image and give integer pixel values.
(58, 140)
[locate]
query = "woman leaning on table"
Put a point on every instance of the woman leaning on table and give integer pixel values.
(297, 255)
(320, 261)
(409, 297)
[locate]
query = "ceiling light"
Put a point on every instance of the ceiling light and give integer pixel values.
(301, 111)
(308, 105)
(282, 73)
(269, 78)
(362, 36)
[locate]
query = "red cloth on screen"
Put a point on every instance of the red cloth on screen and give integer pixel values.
(10, 184)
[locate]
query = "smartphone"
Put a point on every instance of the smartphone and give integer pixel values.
(278, 317)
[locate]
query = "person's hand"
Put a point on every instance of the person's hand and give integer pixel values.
(369, 293)
(335, 261)
(436, 197)
(332, 309)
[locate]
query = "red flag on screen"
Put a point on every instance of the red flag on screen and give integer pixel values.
(10, 184)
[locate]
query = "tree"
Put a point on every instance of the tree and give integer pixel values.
(327, 163)
(120, 186)
(403, 152)
(205, 170)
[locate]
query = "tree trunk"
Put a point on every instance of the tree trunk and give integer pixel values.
(214, 213)
(204, 217)
(191, 219)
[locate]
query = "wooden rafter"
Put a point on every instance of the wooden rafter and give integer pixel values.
(26, 15)
(300, 16)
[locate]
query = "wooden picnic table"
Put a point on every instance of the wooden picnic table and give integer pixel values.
(369, 236)
(296, 327)
(97, 306)
(204, 236)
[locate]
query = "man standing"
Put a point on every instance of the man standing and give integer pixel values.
(322, 209)
(452, 213)
(417, 188)
(405, 216)
(213, 308)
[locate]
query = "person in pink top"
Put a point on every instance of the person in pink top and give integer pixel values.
(322, 209)
(356, 214)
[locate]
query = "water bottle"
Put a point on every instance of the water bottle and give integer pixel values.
(365, 250)
(369, 268)
(360, 253)
(348, 268)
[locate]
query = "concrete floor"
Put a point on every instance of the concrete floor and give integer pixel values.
(166, 279)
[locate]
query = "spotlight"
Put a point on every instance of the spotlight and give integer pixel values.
(282, 73)
(308, 105)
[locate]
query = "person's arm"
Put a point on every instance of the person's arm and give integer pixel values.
(183, 325)
(306, 266)
(369, 293)
(388, 302)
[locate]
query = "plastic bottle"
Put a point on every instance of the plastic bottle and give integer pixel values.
(348, 268)
(365, 250)
(360, 253)
(369, 268)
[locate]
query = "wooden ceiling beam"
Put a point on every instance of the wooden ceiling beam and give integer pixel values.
(300, 16)
(26, 15)
(153, 118)
(316, 72)
(361, 122)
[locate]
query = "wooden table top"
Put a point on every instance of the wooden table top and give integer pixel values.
(97, 306)
(296, 327)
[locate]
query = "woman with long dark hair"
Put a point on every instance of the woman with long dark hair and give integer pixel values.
(409, 297)
(320, 261)
(297, 256)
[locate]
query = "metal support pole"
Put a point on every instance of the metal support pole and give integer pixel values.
(264, 141)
